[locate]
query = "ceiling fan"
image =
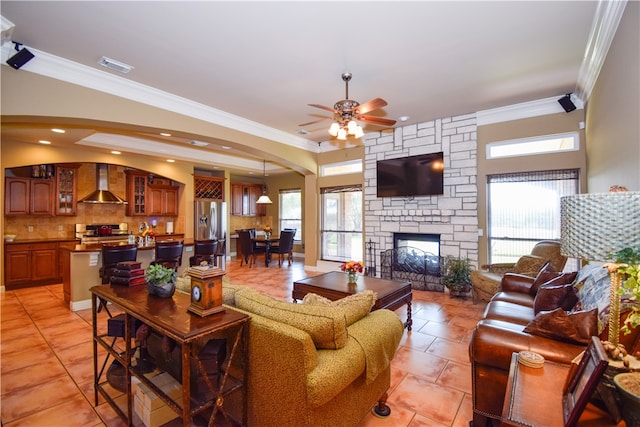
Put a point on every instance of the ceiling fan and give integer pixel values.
(347, 111)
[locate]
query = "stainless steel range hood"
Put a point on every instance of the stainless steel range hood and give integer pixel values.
(102, 194)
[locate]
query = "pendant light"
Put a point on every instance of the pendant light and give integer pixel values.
(264, 199)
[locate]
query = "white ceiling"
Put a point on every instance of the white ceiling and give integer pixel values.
(265, 61)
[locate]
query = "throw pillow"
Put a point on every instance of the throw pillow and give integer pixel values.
(551, 296)
(355, 306)
(575, 327)
(546, 273)
(325, 325)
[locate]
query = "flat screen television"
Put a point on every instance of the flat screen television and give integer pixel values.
(419, 175)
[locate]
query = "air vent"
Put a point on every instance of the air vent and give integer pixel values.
(199, 143)
(114, 65)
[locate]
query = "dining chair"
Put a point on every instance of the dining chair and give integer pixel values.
(248, 250)
(284, 246)
(169, 253)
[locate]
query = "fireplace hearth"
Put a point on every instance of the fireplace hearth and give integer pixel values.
(415, 258)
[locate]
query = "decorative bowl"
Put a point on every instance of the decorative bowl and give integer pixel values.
(9, 237)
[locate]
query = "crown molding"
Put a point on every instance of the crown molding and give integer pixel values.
(62, 69)
(540, 107)
(603, 30)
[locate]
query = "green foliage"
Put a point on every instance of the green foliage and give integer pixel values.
(456, 273)
(158, 274)
(630, 272)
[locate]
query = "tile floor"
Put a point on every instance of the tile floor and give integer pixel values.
(47, 361)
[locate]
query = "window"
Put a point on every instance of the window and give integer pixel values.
(530, 146)
(291, 211)
(524, 208)
(341, 228)
(351, 166)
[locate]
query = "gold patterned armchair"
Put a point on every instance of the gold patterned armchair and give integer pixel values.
(486, 281)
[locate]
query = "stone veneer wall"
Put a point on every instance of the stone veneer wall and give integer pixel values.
(452, 215)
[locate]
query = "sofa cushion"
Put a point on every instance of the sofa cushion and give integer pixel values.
(229, 291)
(551, 296)
(515, 298)
(575, 327)
(355, 306)
(509, 312)
(326, 325)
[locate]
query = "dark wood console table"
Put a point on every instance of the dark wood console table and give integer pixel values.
(392, 294)
(168, 316)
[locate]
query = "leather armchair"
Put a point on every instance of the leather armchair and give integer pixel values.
(486, 281)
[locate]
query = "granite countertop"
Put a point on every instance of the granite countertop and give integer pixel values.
(40, 240)
(98, 247)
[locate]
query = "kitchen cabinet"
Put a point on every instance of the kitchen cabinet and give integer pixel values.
(136, 193)
(163, 200)
(66, 197)
(146, 198)
(28, 196)
(30, 264)
(243, 200)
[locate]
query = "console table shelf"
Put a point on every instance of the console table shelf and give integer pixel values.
(169, 316)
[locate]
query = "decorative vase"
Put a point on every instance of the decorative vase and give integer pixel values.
(162, 290)
(267, 235)
(352, 277)
(628, 385)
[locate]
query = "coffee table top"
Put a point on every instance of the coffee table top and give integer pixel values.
(335, 282)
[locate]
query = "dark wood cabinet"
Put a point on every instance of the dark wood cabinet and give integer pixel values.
(31, 264)
(136, 193)
(66, 196)
(26, 196)
(146, 198)
(163, 200)
(243, 200)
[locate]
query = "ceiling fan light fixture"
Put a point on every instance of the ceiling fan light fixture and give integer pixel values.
(333, 130)
(351, 127)
(359, 132)
(342, 134)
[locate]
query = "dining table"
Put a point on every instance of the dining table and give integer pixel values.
(267, 242)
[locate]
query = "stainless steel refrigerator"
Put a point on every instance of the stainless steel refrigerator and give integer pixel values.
(211, 222)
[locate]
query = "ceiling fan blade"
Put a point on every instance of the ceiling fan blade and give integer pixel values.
(315, 121)
(322, 107)
(374, 104)
(376, 120)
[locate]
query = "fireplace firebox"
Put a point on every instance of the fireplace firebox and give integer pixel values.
(415, 258)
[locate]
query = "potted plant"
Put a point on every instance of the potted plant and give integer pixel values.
(161, 281)
(628, 383)
(455, 276)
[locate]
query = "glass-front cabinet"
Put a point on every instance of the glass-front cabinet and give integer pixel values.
(66, 189)
(136, 192)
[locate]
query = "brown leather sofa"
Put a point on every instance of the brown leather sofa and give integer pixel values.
(501, 333)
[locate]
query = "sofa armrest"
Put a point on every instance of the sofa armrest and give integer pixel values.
(520, 283)
(494, 341)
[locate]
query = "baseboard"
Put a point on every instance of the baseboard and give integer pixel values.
(80, 305)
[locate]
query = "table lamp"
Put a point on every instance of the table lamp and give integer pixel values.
(594, 227)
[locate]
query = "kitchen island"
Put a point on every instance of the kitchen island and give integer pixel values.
(81, 264)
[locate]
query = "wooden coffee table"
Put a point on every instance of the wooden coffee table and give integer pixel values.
(392, 294)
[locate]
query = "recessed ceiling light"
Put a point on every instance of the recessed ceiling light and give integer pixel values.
(114, 65)
(56, 130)
(199, 143)
(403, 118)
(224, 147)
(165, 134)
(45, 142)
(115, 152)
(171, 161)
(303, 132)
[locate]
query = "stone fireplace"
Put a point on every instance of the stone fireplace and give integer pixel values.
(451, 216)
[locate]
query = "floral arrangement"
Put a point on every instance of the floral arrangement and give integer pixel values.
(267, 229)
(352, 267)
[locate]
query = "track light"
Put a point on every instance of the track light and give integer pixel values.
(22, 57)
